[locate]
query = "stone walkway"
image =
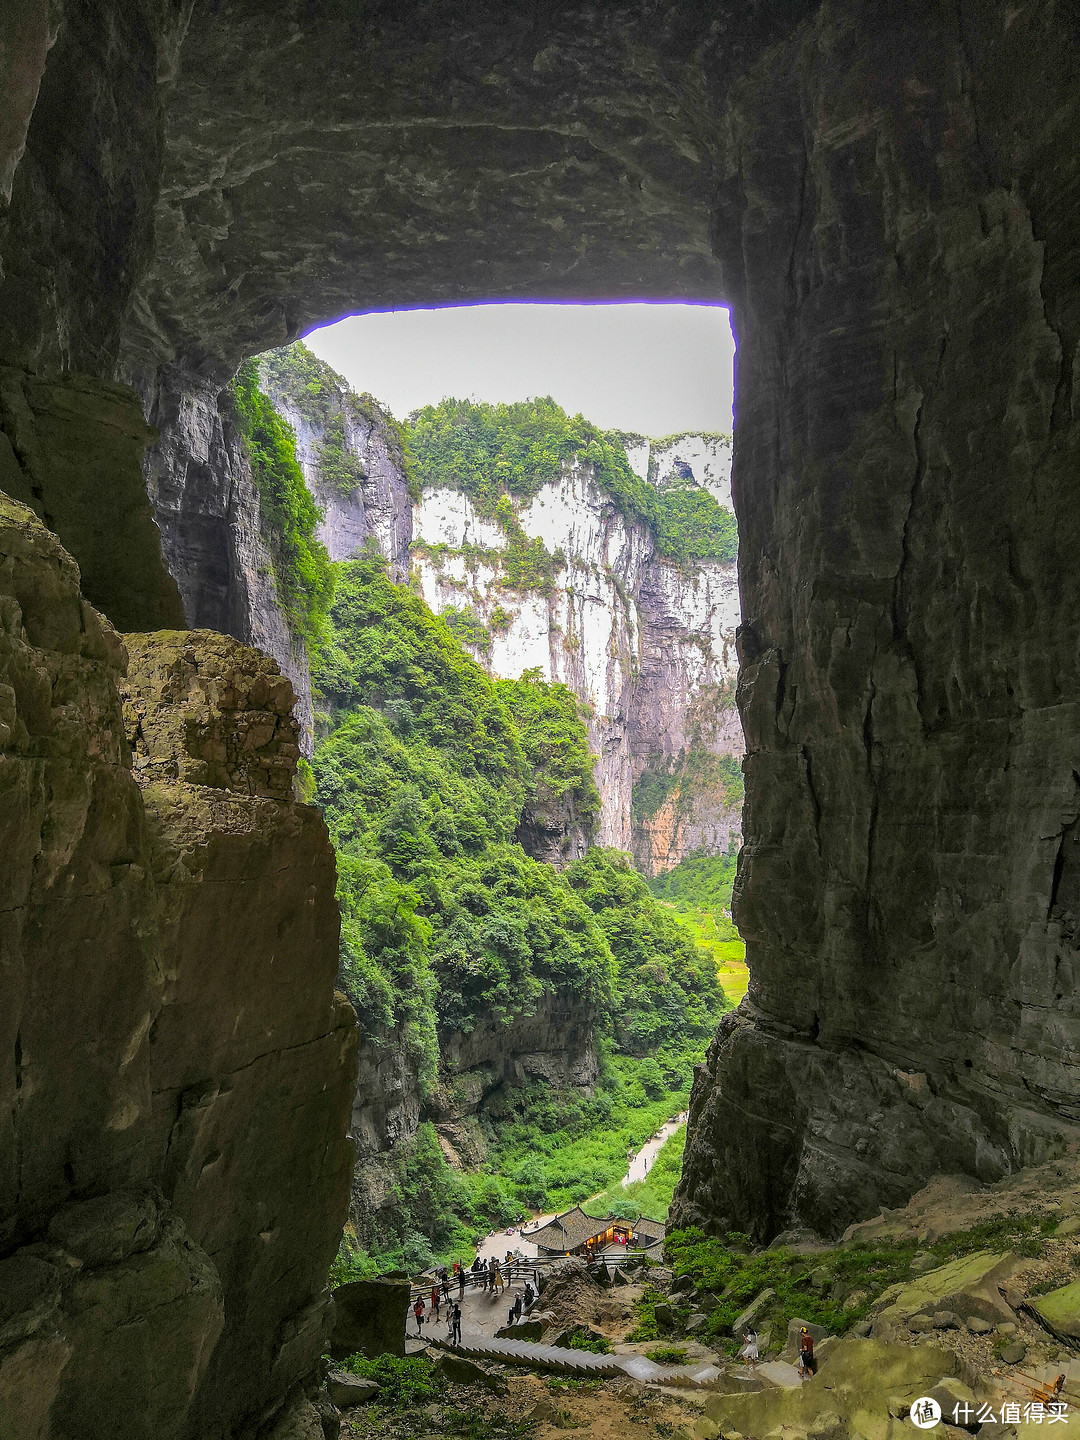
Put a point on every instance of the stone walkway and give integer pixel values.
(580, 1362)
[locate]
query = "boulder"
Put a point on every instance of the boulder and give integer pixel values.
(1014, 1352)
(860, 1381)
(523, 1330)
(665, 1317)
(979, 1326)
(957, 1401)
(966, 1287)
(346, 1390)
(682, 1286)
(370, 1318)
(461, 1371)
(756, 1308)
(1069, 1226)
(1059, 1311)
(794, 1330)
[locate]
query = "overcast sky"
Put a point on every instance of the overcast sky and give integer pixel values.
(656, 369)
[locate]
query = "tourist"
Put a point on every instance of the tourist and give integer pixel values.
(516, 1312)
(807, 1363)
(749, 1351)
(445, 1284)
(530, 1296)
(497, 1280)
(418, 1311)
(435, 1300)
(455, 1325)
(460, 1283)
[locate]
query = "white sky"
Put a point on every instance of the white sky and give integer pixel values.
(656, 369)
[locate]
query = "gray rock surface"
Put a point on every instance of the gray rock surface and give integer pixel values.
(902, 277)
(171, 1187)
(886, 195)
(347, 1390)
(369, 1318)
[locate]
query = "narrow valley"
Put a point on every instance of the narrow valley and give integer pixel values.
(484, 601)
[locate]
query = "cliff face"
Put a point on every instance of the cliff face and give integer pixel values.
(648, 648)
(155, 1183)
(899, 232)
(886, 195)
(646, 645)
(213, 535)
(554, 1044)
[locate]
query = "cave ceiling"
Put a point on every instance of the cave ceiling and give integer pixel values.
(321, 162)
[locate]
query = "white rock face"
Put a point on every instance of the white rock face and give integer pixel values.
(647, 647)
(378, 508)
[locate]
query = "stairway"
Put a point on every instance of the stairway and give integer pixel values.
(579, 1362)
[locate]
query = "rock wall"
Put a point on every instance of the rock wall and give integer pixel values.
(213, 537)
(174, 1165)
(898, 227)
(886, 195)
(647, 646)
(637, 639)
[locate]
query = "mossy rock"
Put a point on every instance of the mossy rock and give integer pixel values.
(1060, 1311)
(860, 1380)
(966, 1287)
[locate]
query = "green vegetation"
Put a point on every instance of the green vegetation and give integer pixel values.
(650, 1197)
(554, 744)
(668, 997)
(405, 1380)
(582, 1339)
(299, 378)
(422, 778)
(834, 1288)
(501, 454)
(667, 1354)
(304, 579)
(467, 626)
(699, 892)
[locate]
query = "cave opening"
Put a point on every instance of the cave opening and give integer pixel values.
(583, 565)
(885, 194)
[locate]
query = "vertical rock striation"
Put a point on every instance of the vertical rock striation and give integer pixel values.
(899, 233)
(175, 1166)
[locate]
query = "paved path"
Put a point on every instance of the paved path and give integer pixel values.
(645, 1158)
(518, 1240)
(481, 1314)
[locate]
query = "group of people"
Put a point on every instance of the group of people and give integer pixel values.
(751, 1352)
(453, 1315)
(491, 1276)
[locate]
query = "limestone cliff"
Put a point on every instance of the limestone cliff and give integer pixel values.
(214, 535)
(646, 644)
(555, 1043)
(173, 1152)
(886, 194)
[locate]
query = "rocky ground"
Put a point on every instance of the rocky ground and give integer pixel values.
(962, 1326)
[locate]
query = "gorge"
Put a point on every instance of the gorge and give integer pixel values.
(885, 195)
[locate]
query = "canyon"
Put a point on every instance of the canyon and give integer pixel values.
(646, 644)
(886, 197)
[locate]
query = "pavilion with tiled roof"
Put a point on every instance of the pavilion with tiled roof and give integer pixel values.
(575, 1233)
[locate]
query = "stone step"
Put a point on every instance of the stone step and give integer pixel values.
(580, 1362)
